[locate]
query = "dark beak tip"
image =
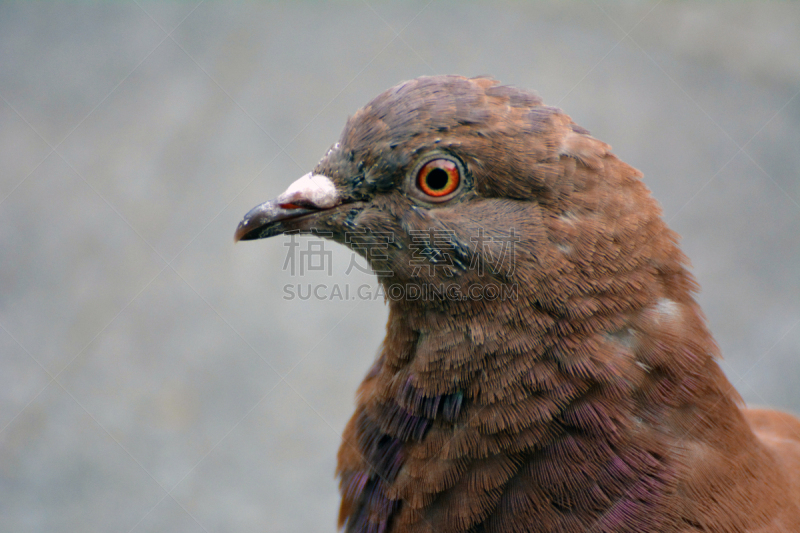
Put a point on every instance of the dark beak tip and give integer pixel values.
(265, 220)
(252, 221)
(244, 231)
(239, 233)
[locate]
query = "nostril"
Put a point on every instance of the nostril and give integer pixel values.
(298, 204)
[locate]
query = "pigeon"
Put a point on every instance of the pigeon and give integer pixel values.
(546, 367)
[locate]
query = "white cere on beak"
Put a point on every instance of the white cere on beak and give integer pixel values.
(314, 189)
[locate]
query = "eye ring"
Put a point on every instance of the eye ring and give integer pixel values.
(437, 178)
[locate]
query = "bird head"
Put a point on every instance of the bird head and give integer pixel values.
(466, 185)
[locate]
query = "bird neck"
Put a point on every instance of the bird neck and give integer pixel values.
(496, 351)
(588, 410)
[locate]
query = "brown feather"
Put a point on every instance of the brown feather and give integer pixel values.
(587, 399)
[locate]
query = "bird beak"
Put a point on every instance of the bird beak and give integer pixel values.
(309, 195)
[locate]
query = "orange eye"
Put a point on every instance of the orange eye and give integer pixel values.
(438, 178)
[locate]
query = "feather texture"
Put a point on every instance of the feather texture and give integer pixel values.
(586, 396)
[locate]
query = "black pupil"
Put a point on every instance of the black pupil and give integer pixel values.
(436, 179)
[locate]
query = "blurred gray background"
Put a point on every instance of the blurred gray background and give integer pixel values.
(153, 376)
